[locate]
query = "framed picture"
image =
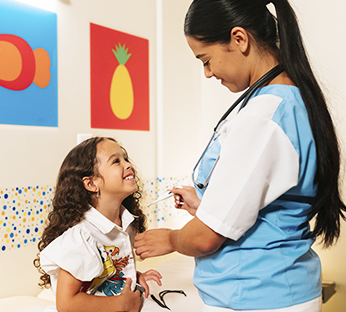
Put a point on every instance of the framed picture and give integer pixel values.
(28, 65)
(119, 80)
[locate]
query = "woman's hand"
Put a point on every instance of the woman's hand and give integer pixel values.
(186, 198)
(151, 275)
(153, 243)
(194, 239)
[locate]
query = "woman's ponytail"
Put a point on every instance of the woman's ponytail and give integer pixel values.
(327, 207)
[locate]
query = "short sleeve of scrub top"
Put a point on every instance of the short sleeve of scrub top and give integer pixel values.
(257, 164)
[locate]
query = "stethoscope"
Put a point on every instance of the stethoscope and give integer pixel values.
(245, 97)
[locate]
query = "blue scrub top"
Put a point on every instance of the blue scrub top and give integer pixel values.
(272, 265)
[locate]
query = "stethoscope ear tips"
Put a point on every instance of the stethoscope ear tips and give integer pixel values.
(200, 185)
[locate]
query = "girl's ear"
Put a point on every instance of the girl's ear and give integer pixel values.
(89, 184)
(239, 39)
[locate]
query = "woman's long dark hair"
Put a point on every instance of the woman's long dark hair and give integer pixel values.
(211, 21)
(72, 200)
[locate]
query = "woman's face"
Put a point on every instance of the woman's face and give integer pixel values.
(225, 62)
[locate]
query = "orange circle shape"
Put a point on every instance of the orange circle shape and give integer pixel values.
(42, 73)
(10, 61)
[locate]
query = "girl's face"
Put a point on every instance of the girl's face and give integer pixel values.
(118, 176)
(225, 62)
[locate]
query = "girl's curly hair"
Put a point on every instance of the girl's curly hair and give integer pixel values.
(71, 199)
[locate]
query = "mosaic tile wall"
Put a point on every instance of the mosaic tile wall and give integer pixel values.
(24, 209)
(164, 210)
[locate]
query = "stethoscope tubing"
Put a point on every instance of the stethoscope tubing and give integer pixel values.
(245, 97)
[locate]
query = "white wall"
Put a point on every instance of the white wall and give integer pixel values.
(32, 155)
(182, 95)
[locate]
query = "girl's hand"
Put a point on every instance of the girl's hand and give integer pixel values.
(131, 298)
(186, 198)
(151, 275)
(69, 297)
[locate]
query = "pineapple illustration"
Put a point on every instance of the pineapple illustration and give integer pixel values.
(121, 93)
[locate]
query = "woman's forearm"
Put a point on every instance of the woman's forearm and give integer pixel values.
(195, 239)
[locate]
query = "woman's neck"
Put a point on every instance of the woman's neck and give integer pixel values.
(267, 62)
(282, 79)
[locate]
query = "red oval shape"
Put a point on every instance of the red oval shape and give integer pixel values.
(26, 77)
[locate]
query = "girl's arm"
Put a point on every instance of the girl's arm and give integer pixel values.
(68, 297)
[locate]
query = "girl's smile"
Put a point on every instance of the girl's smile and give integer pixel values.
(117, 177)
(129, 177)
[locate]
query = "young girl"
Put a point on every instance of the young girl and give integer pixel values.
(86, 249)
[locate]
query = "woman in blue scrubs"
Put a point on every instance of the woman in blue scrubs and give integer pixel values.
(278, 167)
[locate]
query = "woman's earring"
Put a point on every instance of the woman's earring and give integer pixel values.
(98, 193)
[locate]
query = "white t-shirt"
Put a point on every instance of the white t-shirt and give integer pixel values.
(95, 251)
